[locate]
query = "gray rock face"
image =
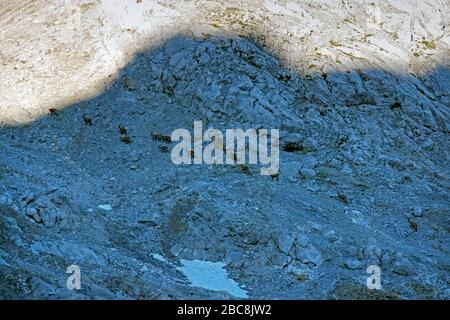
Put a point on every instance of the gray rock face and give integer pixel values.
(353, 264)
(308, 255)
(363, 175)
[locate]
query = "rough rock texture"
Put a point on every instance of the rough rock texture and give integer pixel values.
(360, 93)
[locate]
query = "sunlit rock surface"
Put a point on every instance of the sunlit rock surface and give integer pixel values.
(360, 92)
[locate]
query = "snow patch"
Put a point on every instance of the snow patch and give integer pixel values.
(211, 276)
(159, 257)
(106, 207)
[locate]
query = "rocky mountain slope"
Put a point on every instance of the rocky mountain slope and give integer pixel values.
(91, 90)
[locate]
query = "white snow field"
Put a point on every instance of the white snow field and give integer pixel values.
(211, 276)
